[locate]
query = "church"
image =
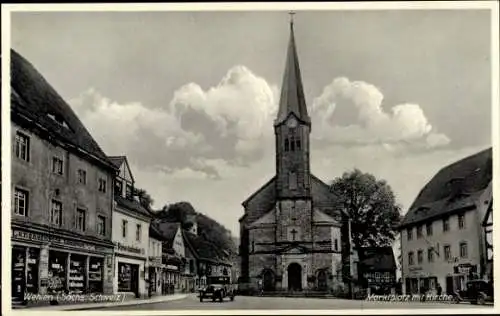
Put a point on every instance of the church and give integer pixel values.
(294, 231)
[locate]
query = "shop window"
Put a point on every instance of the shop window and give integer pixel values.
(22, 146)
(56, 213)
(81, 219)
(101, 225)
(82, 176)
(76, 274)
(21, 202)
(57, 272)
(18, 272)
(57, 165)
(95, 275)
(124, 228)
(124, 278)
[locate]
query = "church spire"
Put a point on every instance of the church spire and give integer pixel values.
(292, 98)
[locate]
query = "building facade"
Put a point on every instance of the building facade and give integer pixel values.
(155, 264)
(62, 194)
(292, 229)
(377, 270)
(130, 235)
(442, 236)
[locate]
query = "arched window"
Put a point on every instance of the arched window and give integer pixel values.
(286, 144)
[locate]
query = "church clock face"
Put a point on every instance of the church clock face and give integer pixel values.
(292, 122)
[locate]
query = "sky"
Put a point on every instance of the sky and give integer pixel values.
(190, 97)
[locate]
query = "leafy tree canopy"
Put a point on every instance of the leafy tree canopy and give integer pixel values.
(372, 207)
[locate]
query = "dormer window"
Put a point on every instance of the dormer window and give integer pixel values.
(58, 119)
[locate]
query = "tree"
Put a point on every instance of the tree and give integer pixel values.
(372, 207)
(144, 198)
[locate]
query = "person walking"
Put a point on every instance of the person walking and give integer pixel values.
(261, 288)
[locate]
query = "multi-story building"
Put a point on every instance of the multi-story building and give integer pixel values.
(130, 234)
(155, 264)
(442, 236)
(62, 194)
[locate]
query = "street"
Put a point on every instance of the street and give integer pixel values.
(265, 303)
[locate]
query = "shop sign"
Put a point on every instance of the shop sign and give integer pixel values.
(465, 268)
(53, 239)
(172, 267)
(155, 261)
(135, 250)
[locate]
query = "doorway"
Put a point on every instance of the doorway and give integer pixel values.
(294, 277)
(268, 280)
(322, 280)
(449, 285)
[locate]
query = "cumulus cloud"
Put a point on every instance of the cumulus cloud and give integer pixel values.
(227, 122)
(405, 125)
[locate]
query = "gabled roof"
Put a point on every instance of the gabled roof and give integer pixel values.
(167, 231)
(117, 160)
(456, 186)
(132, 205)
(377, 258)
(35, 104)
(292, 99)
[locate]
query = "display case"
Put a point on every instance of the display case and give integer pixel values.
(32, 263)
(57, 273)
(95, 275)
(124, 277)
(18, 272)
(76, 274)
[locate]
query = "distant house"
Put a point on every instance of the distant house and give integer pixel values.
(377, 269)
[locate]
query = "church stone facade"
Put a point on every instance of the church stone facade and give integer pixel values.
(293, 232)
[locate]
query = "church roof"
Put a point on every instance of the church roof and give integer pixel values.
(264, 199)
(292, 99)
(456, 186)
(36, 104)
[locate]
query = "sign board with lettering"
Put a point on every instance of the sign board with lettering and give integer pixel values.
(130, 249)
(31, 236)
(172, 267)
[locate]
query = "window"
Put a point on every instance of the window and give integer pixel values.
(463, 250)
(292, 144)
(447, 252)
(22, 146)
(297, 144)
(410, 259)
(446, 224)
(82, 176)
(419, 232)
(461, 221)
(80, 219)
(429, 229)
(124, 228)
(336, 245)
(101, 225)
(128, 191)
(56, 213)
(138, 232)
(20, 202)
(118, 187)
(292, 180)
(409, 233)
(430, 255)
(287, 145)
(420, 256)
(102, 185)
(57, 165)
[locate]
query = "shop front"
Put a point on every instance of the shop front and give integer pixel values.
(50, 262)
(130, 272)
(155, 276)
(173, 276)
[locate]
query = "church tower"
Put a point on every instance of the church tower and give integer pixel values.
(292, 128)
(293, 177)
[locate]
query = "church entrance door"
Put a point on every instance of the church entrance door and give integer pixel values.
(322, 277)
(294, 277)
(268, 280)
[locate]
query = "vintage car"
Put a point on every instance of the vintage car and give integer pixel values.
(217, 289)
(477, 292)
